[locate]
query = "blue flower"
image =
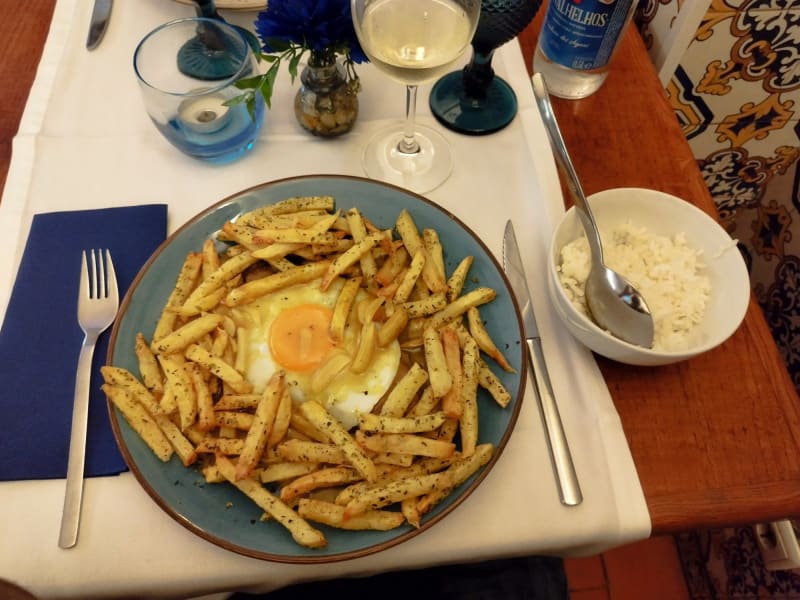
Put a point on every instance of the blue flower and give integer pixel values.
(319, 25)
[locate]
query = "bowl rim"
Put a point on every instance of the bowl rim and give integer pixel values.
(577, 318)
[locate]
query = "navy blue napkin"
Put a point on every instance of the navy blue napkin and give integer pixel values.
(40, 338)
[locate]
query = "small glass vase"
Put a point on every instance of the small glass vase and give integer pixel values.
(326, 103)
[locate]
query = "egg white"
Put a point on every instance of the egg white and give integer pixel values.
(349, 394)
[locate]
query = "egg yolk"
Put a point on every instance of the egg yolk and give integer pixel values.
(299, 339)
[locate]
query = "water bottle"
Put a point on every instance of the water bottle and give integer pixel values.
(577, 40)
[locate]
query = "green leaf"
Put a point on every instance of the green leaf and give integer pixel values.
(293, 64)
(250, 83)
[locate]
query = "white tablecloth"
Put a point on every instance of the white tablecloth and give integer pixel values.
(85, 141)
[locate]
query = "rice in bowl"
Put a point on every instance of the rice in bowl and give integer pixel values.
(666, 270)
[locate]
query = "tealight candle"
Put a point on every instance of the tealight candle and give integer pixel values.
(204, 114)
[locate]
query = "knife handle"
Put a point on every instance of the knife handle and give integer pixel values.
(569, 491)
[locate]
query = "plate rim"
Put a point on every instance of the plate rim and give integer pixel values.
(349, 554)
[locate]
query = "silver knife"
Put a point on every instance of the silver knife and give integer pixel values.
(101, 13)
(569, 490)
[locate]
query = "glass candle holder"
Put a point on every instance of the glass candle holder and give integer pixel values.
(186, 71)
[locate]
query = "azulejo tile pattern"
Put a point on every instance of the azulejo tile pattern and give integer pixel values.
(736, 93)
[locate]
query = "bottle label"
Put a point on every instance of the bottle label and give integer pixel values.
(582, 34)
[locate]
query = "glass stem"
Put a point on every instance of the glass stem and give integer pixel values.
(409, 145)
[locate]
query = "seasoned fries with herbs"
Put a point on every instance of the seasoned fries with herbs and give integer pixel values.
(194, 397)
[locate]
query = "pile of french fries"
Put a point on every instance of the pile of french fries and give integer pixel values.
(294, 460)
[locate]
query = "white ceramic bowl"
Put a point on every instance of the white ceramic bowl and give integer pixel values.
(663, 214)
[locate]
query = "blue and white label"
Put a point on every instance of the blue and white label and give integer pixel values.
(582, 34)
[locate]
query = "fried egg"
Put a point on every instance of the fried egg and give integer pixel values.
(289, 330)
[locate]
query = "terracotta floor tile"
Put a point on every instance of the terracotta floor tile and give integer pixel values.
(585, 573)
(597, 594)
(647, 569)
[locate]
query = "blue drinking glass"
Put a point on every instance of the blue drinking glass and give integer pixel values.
(474, 100)
(191, 107)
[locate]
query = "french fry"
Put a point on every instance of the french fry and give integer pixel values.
(206, 417)
(433, 272)
(189, 333)
(366, 348)
(359, 231)
(227, 270)
(468, 421)
(247, 292)
(283, 417)
(277, 250)
(337, 361)
(458, 277)
(219, 367)
(192, 308)
(321, 478)
(402, 394)
(139, 420)
(341, 310)
(389, 473)
(407, 229)
(460, 305)
(256, 440)
(337, 434)
(333, 515)
(234, 420)
(180, 384)
(184, 284)
(428, 306)
(303, 426)
(484, 340)
(439, 376)
(301, 531)
(369, 422)
(406, 285)
(491, 383)
(124, 379)
(350, 257)
(405, 443)
(227, 446)
(149, 368)
(395, 491)
(237, 402)
(459, 472)
(392, 266)
(391, 328)
(308, 451)
(300, 204)
(452, 402)
(285, 470)
(425, 405)
(211, 259)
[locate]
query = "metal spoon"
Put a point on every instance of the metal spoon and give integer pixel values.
(614, 304)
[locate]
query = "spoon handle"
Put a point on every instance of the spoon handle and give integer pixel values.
(564, 163)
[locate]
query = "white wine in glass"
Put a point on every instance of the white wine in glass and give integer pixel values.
(412, 41)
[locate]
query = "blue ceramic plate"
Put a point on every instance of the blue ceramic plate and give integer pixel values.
(220, 513)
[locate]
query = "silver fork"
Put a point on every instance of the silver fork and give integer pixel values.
(98, 301)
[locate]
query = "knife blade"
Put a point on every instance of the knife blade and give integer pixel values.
(569, 490)
(101, 13)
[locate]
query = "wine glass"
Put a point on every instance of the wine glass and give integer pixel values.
(475, 100)
(412, 41)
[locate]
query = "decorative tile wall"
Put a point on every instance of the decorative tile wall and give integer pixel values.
(735, 90)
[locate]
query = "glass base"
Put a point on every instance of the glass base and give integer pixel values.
(419, 172)
(455, 110)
